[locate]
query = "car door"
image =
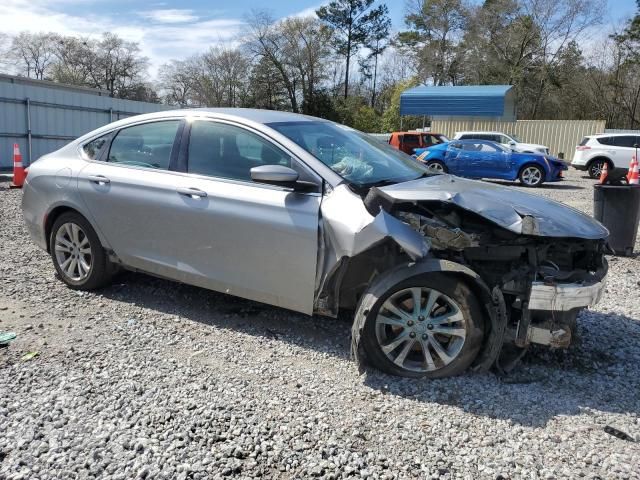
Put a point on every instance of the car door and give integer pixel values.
(454, 158)
(486, 159)
(236, 236)
(410, 142)
(130, 193)
(625, 150)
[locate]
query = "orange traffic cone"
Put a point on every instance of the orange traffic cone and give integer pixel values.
(634, 174)
(18, 170)
(605, 173)
(634, 161)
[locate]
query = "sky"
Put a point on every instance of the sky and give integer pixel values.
(178, 29)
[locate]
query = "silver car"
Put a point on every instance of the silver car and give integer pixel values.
(438, 272)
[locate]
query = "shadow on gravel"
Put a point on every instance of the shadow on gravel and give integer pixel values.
(226, 311)
(547, 383)
(544, 385)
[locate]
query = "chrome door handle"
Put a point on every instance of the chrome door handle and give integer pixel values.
(191, 192)
(100, 179)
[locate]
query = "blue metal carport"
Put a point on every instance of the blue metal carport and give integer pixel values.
(496, 101)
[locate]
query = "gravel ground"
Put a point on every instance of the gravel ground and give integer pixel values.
(151, 379)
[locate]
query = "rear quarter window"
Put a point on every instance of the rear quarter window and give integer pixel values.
(93, 149)
(584, 141)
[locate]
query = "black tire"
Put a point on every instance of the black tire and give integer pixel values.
(473, 323)
(595, 167)
(436, 165)
(100, 270)
(526, 180)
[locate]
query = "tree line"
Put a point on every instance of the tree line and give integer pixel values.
(344, 63)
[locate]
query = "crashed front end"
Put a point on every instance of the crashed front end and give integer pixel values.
(534, 263)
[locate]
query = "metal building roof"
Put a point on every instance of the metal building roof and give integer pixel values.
(463, 101)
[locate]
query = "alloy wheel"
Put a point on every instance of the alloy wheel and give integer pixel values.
(596, 169)
(435, 167)
(531, 176)
(73, 252)
(420, 329)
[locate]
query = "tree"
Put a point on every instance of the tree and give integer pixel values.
(306, 46)
(33, 53)
(391, 117)
(436, 29)
(264, 40)
(176, 82)
(377, 42)
(352, 23)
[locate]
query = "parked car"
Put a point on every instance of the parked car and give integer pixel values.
(510, 141)
(615, 149)
(409, 141)
(298, 212)
(483, 159)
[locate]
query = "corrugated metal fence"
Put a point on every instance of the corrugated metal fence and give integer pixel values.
(558, 135)
(43, 116)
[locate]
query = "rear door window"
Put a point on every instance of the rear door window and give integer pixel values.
(148, 145)
(411, 141)
(625, 141)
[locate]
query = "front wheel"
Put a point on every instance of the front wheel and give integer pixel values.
(532, 176)
(426, 326)
(77, 253)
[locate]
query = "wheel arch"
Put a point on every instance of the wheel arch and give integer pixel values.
(54, 213)
(494, 324)
(600, 157)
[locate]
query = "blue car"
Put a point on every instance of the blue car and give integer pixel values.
(485, 159)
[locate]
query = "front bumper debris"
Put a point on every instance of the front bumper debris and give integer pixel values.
(565, 297)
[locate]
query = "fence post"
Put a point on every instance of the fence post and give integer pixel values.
(28, 104)
(110, 115)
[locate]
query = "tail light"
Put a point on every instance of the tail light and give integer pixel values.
(580, 148)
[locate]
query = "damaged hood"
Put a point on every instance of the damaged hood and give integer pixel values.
(515, 210)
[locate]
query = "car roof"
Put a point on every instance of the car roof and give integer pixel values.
(415, 133)
(479, 131)
(618, 134)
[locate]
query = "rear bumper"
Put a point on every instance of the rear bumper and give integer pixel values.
(565, 297)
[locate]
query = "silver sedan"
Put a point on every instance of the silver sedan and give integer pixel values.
(438, 272)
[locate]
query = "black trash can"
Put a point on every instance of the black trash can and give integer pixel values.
(617, 207)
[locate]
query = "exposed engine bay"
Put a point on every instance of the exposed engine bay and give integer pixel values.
(532, 273)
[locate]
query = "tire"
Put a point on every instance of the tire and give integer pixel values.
(436, 166)
(383, 328)
(531, 176)
(74, 239)
(595, 167)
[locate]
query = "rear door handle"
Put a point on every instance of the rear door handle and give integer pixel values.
(100, 179)
(191, 192)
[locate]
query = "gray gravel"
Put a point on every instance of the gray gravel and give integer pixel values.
(151, 379)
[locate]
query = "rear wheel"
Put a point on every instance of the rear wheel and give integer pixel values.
(77, 253)
(426, 326)
(532, 176)
(596, 167)
(436, 166)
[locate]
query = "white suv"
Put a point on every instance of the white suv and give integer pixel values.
(614, 148)
(510, 141)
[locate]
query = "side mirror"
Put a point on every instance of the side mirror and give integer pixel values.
(274, 175)
(512, 143)
(281, 176)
